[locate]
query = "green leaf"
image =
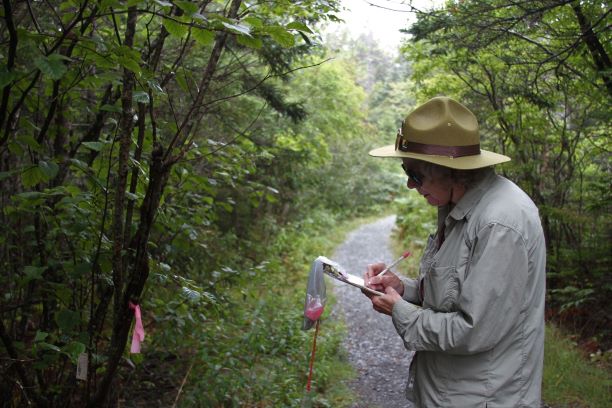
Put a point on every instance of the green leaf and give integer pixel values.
(175, 28)
(111, 108)
(53, 66)
(102, 61)
(81, 269)
(188, 7)
(95, 146)
(163, 3)
(131, 196)
(130, 64)
(49, 169)
(202, 36)
(251, 42)
(8, 174)
(198, 16)
(31, 176)
(73, 349)
(30, 195)
(6, 77)
(16, 149)
(40, 336)
(296, 25)
(155, 86)
(192, 295)
(33, 273)
(253, 21)
(141, 97)
(48, 346)
(237, 28)
(67, 320)
(181, 81)
(280, 35)
(30, 141)
(105, 4)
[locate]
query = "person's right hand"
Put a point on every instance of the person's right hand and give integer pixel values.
(380, 283)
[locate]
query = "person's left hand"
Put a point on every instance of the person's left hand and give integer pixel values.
(384, 304)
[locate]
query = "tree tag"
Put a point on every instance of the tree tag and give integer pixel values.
(81, 371)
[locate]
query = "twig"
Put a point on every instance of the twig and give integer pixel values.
(180, 390)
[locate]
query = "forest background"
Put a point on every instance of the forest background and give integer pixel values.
(194, 157)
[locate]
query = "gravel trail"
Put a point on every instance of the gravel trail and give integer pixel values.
(373, 346)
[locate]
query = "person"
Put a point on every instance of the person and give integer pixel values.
(475, 315)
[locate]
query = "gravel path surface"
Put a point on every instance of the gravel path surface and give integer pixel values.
(372, 344)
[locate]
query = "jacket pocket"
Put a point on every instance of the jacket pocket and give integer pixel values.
(441, 288)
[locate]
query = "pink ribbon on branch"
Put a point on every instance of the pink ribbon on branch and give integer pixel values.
(138, 334)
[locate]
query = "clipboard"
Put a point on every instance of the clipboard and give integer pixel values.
(332, 269)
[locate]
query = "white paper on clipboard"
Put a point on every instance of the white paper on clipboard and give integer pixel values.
(334, 270)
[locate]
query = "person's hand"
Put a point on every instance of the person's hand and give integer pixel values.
(384, 304)
(381, 283)
(389, 284)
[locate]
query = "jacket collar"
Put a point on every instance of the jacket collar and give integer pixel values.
(472, 196)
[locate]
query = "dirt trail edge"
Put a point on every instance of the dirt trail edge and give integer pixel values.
(374, 349)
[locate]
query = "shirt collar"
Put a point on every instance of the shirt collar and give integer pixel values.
(472, 196)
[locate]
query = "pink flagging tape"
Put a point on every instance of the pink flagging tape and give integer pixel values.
(139, 334)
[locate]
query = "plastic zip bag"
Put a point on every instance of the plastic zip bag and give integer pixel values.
(316, 297)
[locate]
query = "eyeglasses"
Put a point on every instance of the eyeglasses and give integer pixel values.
(415, 177)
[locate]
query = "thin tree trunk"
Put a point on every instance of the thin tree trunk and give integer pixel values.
(598, 52)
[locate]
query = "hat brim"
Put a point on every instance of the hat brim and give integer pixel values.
(484, 159)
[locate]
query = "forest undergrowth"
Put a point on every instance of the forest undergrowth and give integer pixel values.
(251, 351)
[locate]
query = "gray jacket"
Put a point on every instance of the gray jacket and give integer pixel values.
(479, 336)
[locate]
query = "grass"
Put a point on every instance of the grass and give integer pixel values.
(254, 354)
(570, 380)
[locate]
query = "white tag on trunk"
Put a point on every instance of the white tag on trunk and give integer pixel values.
(81, 371)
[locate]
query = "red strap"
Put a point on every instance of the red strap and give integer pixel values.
(312, 355)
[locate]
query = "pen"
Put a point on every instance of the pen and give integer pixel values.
(398, 260)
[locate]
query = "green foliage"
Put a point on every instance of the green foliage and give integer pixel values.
(541, 90)
(247, 348)
(416, 220)
(145, 148)
(158, 153)
(570, 380)
(182, 155)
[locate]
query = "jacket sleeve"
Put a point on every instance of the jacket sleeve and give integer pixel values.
(488, 306)
(411, 290)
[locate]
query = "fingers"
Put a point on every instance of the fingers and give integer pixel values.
(381, 304)
(389, 279)
(384, 304)
(371, 271)
(368, 294)
(380, 283)
(374, 269)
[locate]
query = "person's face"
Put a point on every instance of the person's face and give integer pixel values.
(435, 188)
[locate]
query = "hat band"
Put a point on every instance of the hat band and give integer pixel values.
(437, 150)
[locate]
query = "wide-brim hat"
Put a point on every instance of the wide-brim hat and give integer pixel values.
(444, 132)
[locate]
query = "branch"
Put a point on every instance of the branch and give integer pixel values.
(265, 78)
(598, 52)
(411, 9)
(207, 76)
(8, 345)
(10, 63)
